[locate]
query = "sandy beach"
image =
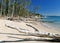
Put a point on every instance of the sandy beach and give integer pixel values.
(7, 33)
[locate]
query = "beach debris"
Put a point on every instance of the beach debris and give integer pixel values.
(35, 33)
(31, 39)
(34, 38)
(9, 18)
(32, 27)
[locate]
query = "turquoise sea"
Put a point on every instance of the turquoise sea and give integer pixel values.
(52, 22)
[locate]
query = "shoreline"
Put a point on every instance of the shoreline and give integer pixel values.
(50, 26)
(43, 26)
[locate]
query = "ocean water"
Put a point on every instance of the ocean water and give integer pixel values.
(52, 22)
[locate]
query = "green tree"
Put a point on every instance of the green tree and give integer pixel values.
(2, 7)
(9, 8)
(16, 8)
(36, 9)
(6, 6)
(23, 5)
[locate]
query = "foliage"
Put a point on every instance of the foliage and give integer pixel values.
(18, 8)
(39, 15)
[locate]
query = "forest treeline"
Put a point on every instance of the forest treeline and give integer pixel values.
(17, 8)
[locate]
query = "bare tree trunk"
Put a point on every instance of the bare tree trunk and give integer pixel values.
(9, 8)
(13, 9)
(1, 8)
(32, 38)
(37, 34)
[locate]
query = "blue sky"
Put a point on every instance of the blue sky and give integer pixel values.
(48, 7)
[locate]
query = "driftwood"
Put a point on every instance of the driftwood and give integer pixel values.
(37, 34)
(31, 39)
(32, 27)
(10, 18)
(34, 38)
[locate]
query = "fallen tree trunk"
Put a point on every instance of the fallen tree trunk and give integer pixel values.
(31, 39)
(34, 38)
(32, 27)
(37, 34)
(27, 39)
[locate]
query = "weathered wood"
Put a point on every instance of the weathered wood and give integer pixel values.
(37, 34)
(32, 27)
(34, 38)
(31, 39)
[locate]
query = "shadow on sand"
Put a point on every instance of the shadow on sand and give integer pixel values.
(15, 34)
(31, 40)
(23, 40)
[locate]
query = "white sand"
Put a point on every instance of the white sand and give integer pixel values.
(41, 27)
(9, 31)
(32, 42)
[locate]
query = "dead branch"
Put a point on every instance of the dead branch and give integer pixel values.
(37, 34)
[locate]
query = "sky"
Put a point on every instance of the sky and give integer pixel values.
(48, 7)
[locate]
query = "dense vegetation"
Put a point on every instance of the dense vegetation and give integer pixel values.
(16, 8)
